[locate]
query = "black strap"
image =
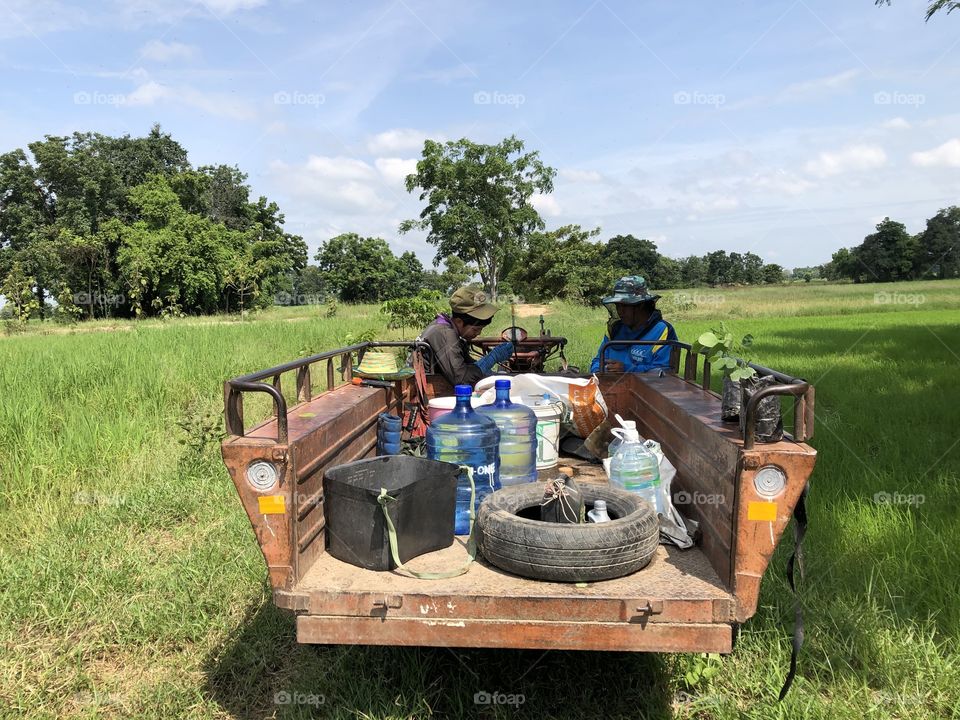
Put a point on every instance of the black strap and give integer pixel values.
(799, 530)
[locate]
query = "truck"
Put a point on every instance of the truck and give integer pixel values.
(741, 492)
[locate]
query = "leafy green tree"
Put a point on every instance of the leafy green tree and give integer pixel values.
(415, 311)
(628, 255)
(938, 251)
(888, 254)
(409, 275)
(667, 273)
(456, 274)
(693, 271)
(934, 7)
(719, 268)
(478, 202)
(563, 263)
(752, 269)
(359, 269)
(772, 273)
(17, 288)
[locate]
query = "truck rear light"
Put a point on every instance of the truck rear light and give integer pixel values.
(770, 481)
(262, 475)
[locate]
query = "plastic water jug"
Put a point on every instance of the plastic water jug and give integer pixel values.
(636, 469)
(518, 437)
(617, 440)
(465, 437)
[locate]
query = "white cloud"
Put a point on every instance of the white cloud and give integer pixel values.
(721, 203)
(946, 155)
(897, 123)
(545, 204)
(818, 86)
(162, 52)
(339, 184)
(225, 7)
(395, 170)
(397, 141)
(219, 104)
(849, 159)
(448, 75)
(574, 175)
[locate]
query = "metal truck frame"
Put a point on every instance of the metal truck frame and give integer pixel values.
(684, 601)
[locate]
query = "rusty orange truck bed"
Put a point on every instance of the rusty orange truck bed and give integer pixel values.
(685, 600)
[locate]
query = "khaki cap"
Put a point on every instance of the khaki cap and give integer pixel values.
(473, 302)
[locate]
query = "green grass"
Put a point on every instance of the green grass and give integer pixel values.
(133, 586)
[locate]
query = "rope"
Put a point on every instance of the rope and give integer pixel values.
(384, 501)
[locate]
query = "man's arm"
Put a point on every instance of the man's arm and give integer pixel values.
(595, 365)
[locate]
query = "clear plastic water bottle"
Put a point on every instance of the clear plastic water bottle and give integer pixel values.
(518, 437)
(617, 440)
(636, 469)
(465, 437)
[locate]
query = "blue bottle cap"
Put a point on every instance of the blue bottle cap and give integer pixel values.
(502, 384)
(463, 390)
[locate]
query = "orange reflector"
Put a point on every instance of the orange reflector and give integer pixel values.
(272, 504)
(759, 511)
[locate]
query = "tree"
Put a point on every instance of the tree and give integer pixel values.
(563, 263)
(409, 275)
(934, 7)
(844, 265)
(693, 271)
(17, 288)
(629, 256)
(479, 202)
(887, 254)
(752, 269)
(719, 268)
(456, 273)
(938, 246)
(667, 273)
(772, 273)
(359, 269)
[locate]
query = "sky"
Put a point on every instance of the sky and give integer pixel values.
(788, 129)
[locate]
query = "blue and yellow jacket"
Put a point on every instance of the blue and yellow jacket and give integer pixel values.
(639, 358)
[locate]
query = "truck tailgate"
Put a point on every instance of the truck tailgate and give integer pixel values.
(676, 603)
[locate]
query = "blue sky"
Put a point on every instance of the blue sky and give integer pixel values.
(784, 128)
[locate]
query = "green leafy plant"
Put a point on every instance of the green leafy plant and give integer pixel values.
(723, 352)
(704, 668)
(412, 312)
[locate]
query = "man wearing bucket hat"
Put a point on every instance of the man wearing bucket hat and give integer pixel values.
(449, 334)
(634, 316)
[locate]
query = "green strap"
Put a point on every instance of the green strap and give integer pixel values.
(384, 500)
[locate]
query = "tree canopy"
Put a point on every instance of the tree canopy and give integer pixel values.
(124, 226)
(478, 202)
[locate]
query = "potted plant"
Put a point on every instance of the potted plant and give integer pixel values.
(740, 382)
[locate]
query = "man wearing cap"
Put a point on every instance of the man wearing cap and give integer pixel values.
(449, 334)
(634, 316)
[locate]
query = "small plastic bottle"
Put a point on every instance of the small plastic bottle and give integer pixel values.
(636, 469)
(599, 512)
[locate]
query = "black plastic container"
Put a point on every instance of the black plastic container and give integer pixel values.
(425, 493)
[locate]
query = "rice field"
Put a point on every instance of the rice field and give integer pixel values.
(133, 585)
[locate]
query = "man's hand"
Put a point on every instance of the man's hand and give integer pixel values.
(614, 366)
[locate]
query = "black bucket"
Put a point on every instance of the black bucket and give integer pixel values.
(424, 492)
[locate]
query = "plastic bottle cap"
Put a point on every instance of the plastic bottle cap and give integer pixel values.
(463, 391)
(502, 384)
(628, 425)
(631, 435)
(600, 505)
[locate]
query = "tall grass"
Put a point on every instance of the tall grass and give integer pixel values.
(133, 586)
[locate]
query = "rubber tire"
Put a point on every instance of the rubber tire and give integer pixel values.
(561, 552)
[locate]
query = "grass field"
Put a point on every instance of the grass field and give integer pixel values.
(133, 586)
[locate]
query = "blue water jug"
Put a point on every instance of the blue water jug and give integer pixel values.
(464, 437)
(518, 437)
